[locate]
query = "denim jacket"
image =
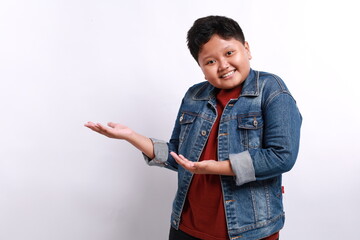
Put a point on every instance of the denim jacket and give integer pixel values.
(259, 133)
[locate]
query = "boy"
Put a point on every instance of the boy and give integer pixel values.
(235, 134)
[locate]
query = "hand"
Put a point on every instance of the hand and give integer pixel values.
(204, 167)
(114, 130)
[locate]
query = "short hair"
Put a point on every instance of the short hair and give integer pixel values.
(204, 28)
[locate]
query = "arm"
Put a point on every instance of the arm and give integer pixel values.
(281, 135)
(282, 123)
(204, 167)
(118, 131)
(156, 152)
(278, 155)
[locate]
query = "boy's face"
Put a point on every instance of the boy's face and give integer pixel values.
(225, 63)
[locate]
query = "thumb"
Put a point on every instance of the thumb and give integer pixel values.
(111, 124)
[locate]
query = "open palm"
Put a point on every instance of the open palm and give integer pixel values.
(113, 130)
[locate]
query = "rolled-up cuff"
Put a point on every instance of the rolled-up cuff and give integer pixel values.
(242, 166)
(161, 152)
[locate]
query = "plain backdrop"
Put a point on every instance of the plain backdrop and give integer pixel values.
(66, 62)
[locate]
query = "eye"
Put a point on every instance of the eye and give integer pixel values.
(228, 53)
(210, 62)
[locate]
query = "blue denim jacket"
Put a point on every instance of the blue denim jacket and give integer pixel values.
(259, 133)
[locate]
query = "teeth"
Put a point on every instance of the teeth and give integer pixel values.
(228, 74)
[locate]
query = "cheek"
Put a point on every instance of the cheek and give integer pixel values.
(212, 76)
(244, 62)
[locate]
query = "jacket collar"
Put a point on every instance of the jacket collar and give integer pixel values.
(251, 84)
(250, 88)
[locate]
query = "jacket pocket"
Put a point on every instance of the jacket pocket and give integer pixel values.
(251, 129)
(186, 121)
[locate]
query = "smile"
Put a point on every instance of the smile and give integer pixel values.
(228, 74)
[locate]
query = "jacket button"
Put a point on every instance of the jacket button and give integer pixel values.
(181, 118)
(203, 132)
(255, 122)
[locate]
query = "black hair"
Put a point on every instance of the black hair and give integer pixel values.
(204, 28)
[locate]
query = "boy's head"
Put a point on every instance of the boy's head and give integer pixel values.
(204, 28)
(219, 47)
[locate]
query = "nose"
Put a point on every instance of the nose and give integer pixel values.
(223, 64)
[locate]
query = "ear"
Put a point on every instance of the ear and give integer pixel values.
(247, 49)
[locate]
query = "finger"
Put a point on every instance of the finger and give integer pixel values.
(89, 124)
(191, 164)
(111, 124)
(101, 127)
(183, 158)
(180, 159)
(187, 161)
(177, 158)
(92, 126)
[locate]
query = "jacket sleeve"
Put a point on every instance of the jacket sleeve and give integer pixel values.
(280, 144)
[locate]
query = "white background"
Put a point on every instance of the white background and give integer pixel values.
(63, 63)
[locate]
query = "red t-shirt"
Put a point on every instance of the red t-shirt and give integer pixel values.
(203, 215)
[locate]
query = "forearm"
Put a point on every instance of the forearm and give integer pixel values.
(224, 168)
(144, 144)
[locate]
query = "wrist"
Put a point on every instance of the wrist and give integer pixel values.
(225, 168)
(129, 136)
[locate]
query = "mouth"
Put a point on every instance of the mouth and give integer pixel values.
(226, 75)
